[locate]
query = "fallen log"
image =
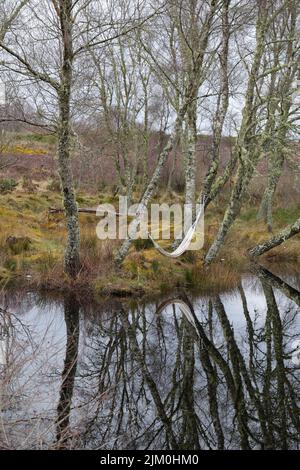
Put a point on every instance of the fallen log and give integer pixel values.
(85, 210)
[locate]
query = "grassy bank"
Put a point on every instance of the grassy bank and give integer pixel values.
(32, 245)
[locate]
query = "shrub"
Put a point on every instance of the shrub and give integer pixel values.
(18, 244)
(96, 255)
(142, 244)
(101, 186)
(54, 185)
(7, 185)
(10, 264)
(155, 266)
(179, 183)
(28, 185)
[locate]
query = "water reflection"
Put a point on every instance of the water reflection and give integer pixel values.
(185, 373)
(71, 313)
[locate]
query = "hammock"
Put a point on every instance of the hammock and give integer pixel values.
(185, 243)
(184, 309)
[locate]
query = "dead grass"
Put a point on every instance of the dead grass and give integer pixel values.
(38, 262)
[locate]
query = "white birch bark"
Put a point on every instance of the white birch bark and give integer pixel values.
(246, 153)
(189, 99)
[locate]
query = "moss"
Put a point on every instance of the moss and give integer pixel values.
(248, 215)
(286, 216)
(19, 149)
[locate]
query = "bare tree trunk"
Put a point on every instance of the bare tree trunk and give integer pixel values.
(190, 157)
(279, 136)
(246, 153)
(72, 251)
(274, 174)
(221, 111)
(190, 96)
(278, 239)
(152, 185)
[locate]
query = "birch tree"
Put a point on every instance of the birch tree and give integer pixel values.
(221, 109)
(249, 140)
(9, 12)
(48, 49)
(190, 93)
(123, 82)
(280, 108)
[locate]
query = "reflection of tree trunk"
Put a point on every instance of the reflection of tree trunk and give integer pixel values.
(71, 308)
(160, 407)
(228, 376)
(278, 283)
(280, 370)
(240, 403)
(267, 381)
(250, 330)
(212, 387)
(189, 437)
(238, 364)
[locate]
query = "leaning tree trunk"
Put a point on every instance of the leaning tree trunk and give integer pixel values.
(72, 258)
(242, 179)
(277, 240)
(247, 154)
(152, 185)
(191, 92)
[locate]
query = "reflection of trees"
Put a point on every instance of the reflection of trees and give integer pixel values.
(169, 381)
(71, 311)
(182, 375)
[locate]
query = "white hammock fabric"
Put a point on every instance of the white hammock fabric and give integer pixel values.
(185, 243)
(184, 309)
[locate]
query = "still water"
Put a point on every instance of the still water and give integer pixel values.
(180, 372)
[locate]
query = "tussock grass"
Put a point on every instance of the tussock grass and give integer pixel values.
(39, 262)
(217, 278)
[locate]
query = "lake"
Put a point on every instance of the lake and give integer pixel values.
(178, 372)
